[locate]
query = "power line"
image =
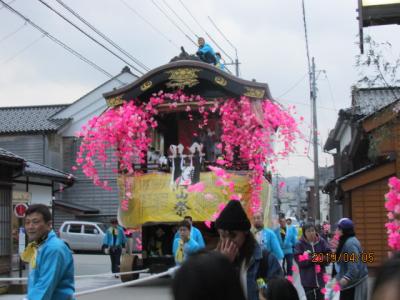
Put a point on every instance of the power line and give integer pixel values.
(12, 33)
(57, 41)
(223, 35)
(1, 7)
(305, 104)
(306, 39)
(294, 86)
(330, 91)
(22, 50)
(89, 36)
(148, 23)
(205, 31)
(172, 21)
(184, 23)
(309, 69)
(194, 18)
(138, 62)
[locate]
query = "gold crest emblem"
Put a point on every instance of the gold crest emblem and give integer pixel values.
(183, 77)
(145, 86)
(220, 80)
(254, 93)
(115, 101)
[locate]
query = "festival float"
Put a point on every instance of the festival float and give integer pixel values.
(187, 137)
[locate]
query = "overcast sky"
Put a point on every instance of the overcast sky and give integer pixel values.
(269, 36)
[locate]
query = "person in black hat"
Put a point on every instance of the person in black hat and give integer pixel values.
(352, 272)
(254, 265)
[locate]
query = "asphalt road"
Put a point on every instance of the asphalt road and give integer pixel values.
(158, 289)
(85, 264)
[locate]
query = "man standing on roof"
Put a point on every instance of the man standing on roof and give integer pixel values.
(51, 275)
(205, 52)
(114, 243)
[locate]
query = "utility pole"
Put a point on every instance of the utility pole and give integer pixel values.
(236, 63)
(278, 200)
(298, 210)
(313, 97)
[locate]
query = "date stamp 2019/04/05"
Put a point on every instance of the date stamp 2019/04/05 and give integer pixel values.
(331, 257)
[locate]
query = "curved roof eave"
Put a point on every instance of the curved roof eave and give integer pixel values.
(184, 71)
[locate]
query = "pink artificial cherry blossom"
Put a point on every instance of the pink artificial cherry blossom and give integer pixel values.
(250, 129)
(392, 204)
(317, 269)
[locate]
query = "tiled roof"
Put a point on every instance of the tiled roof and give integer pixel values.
(30, 119)
(368, 100)
(7, 155)
(33, 169)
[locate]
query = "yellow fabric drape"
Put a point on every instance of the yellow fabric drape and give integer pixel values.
(30, 253)
(154, 199)
(179, 253)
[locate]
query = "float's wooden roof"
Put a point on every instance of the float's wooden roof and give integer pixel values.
(193, 77)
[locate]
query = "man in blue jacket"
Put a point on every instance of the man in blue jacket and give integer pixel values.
(287, 237)
(51, 275)
(184, 245)
(205, 52)
(114, 243)
(195, 233)
(266, 237)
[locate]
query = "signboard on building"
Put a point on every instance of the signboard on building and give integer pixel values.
(18, 197)
(20, 210)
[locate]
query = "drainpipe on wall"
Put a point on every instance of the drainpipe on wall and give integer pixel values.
(52, 204)
(44, 148)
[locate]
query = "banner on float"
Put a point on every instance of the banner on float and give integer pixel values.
(156, 198)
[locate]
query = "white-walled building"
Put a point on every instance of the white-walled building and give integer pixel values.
(46, 136)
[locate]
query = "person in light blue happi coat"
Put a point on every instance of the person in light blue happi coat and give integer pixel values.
(205, 52)
(287, 237)
(114, 244)
(195, 233)
(220, 63)
(51, 275)
(184, 245)
(265, 236)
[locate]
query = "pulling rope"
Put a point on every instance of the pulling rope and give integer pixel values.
(81, 276)
(170, 272)
(110, 274)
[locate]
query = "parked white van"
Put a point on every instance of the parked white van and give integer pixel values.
(81, 235)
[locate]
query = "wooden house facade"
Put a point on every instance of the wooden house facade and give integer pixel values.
(371, 156)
